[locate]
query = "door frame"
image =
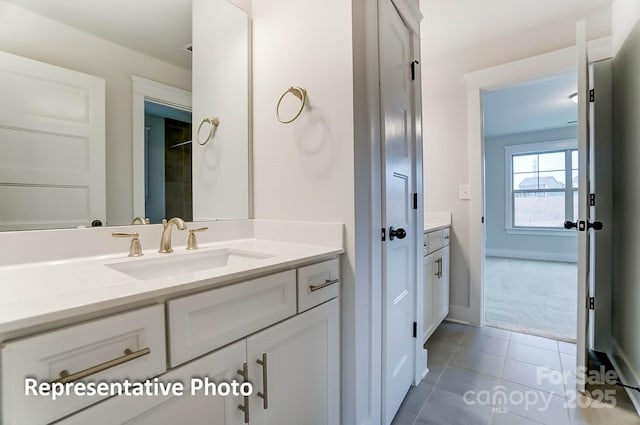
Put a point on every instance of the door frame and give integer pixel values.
(410, 14)
(145, 90)
(532, 68)
(361, 329)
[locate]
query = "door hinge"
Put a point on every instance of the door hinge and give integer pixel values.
(482, 219)
(591, 303)
(592, 95)
(384, 234)
(592, 199)
(415, 201)
(415, 329)
(413, 69)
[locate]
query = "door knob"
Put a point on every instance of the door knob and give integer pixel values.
(596, 225)
(399, 233)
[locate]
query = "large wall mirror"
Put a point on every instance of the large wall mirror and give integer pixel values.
(100, 106)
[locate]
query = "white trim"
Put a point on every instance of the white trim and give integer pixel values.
(528, 69)
(551, 145)
(530, 231)
(361, 337)
(148, 90)
(625, 371)
(461, 322)
(537, 147)
(531, 255)
(410, 13)
(534, 67)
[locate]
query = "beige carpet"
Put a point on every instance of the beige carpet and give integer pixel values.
(537, 297)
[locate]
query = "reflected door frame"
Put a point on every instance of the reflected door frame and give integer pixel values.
(145, 90)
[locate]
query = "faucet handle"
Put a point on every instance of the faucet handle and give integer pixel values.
(192, 243)
(135, 249)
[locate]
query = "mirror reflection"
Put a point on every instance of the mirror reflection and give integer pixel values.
(95, 113)
(167, 162)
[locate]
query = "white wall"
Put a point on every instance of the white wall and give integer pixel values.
(499, 242)
(444, 97)
(624, 14)
(30, 35)
(626, 204)
(305, 170)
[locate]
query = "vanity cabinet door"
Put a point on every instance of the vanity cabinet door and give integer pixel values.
(430, 268)
(188, 409)
(441, 285)
(298, 374)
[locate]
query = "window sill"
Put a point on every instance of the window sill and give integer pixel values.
(541, 232)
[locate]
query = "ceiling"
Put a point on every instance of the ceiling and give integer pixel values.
(537, 105)
(157, 28)
(451, 25)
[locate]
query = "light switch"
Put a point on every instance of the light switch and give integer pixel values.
(465, 192)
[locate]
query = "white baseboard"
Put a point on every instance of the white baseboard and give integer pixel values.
(531, 255)
(460, 322)
(626, 372)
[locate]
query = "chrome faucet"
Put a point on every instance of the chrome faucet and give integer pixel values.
(165, 240)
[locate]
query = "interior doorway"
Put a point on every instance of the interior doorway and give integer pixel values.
(530, 190)
(167, 162)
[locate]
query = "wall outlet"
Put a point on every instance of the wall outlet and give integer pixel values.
(465, 192)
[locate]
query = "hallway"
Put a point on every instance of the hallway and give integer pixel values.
(468, 363)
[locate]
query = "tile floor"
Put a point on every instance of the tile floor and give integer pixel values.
(471, 368)
(531, 296)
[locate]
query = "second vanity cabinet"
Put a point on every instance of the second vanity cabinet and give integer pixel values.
(436, 280)
(279, 332)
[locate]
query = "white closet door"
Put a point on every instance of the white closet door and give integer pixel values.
(52, 146)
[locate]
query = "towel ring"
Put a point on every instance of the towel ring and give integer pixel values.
(215, 122)
(298, 92)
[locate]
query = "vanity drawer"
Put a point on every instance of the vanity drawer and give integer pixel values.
(435, 240)
(126, 346)
(445, 236)
(318, 283)
(205, 321)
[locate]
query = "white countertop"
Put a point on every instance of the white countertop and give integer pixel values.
(431, 226)
(36, 293)
(436, 221)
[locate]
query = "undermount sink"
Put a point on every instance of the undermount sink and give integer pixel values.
(187, 263)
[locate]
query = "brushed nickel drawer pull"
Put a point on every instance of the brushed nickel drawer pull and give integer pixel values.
(129, 355)
(244, 372)
(328, 282)
(264, 395)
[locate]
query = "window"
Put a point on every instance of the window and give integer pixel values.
(542, 185)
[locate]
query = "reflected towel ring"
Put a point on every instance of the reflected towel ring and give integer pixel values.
(215, 122)
(298, 92)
